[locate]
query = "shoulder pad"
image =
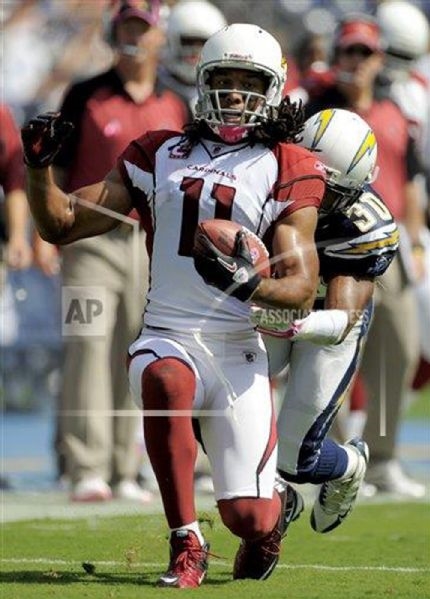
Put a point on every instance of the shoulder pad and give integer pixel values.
(363, 242)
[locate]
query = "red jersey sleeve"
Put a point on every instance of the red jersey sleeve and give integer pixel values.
(301, 178)
(12, 175)
(140, 154)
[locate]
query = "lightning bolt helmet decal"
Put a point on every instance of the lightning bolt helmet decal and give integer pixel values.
(367, 146)
(322, 121)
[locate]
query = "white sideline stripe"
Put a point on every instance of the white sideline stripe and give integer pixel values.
(147, 413)
(62, 562)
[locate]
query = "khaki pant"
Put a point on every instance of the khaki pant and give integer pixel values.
(3, 268)
(389, 360)
(96, 442)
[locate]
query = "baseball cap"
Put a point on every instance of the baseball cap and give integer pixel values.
(362, 31)
(147, 10)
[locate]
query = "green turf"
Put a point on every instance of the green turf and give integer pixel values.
(382, 551)
(420, 406)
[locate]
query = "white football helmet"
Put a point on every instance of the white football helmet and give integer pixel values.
(189, 20)
(347, 148)
(239, 46)
(405, 30)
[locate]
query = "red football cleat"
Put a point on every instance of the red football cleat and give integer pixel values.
(188, 561)
(257, 559)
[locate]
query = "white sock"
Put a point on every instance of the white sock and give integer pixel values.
(353, 458)
(194, 526)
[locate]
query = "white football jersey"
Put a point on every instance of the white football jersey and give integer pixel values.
(174, 188)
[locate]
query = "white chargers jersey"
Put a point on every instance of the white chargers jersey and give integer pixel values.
(174, 187)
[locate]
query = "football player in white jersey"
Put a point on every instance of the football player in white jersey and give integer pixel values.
(404, 46)
(198, 354)
(356, 239)
(189, 24)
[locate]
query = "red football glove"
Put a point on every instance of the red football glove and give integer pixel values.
(42, 138)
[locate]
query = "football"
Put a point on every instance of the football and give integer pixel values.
(222, 233)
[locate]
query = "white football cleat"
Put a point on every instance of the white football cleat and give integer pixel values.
(131, 491)
(388, 476)
(91, 489)
(337, 497)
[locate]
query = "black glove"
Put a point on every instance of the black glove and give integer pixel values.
(42, 137)
(233, 274)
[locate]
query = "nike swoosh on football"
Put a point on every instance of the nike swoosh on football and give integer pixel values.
(227, 265)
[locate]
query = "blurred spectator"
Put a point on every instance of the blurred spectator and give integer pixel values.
(15, 247)
(108, 111)
(46, 45)
(403, 47)
(15, 224)
(311, 59)
(411, 90)
(190, 23)
(422, 376)
(391, 353)
(23, 381)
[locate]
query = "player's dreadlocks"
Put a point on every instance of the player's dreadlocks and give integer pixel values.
(283, 125)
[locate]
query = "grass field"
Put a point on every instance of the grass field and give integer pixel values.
(383, 550)
(420, 407)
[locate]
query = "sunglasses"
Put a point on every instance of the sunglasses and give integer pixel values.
(357, 50)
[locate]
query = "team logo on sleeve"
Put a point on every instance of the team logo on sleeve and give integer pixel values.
(180, 150)
(368, 145)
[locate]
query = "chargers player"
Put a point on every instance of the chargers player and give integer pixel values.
(198, 354)
(356, 239)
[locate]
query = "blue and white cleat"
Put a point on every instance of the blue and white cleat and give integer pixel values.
(337, 497)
